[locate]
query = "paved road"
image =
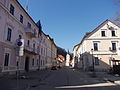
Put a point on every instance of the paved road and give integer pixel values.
(70, 79)
(62, 79)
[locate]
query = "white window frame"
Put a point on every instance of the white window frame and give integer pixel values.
(115, 33)
(7, 50)
(116, 44)
(97, 45)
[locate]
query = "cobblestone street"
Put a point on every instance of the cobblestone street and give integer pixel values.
(64, 78)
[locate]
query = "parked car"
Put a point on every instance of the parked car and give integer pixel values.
(53, 68)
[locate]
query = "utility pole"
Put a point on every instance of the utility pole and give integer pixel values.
(19, 53)
(92, 60)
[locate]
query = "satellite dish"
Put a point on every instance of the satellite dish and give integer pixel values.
(111, 28)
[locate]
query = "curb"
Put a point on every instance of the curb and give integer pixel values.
(112, 81)
(117, 82)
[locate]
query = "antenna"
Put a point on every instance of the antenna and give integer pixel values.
(26, 6)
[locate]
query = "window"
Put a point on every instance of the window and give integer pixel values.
(32, 62)
(113, 46)
(21, 18)
(9, 34)
(29, 25)
(41, 62)
(95, 46)
(38, 49)
(96, 61)
(6, 59)
(113, 33)
(37, 62)
(35, 32)
(103, 33)
(28, 43)
(11, 9)
(34, 47)
(41, 51)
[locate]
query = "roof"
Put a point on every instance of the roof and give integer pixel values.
(90, 33)
(38, 25)
(60, 56)
(52, 40)
(26, 12)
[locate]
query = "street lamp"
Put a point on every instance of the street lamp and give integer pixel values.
(92, 60)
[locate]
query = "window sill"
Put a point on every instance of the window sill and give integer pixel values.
(8, 41)
(103, 36)
(113, 50)
(96, 50)
(114, 36)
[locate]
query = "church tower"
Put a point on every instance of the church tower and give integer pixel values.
(67, 59)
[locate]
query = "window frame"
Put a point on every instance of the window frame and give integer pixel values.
(9, 34)
(12, 9)
(21, 18)
(94, 47)
(33, 62)
(28, 43)
(103, 34)
(6, 59)
(29, 25)
(113, 34)
(114, 48)
(96, 61)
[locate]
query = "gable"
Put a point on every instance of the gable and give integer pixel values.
(105, 26)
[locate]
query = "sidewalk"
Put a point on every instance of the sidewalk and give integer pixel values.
(102, 76)
(105, 77)
(25, 81)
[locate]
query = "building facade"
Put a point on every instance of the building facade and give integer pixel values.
(100, 48)
(17, 24)
(60, 61)
(51, 52)
(75, 57)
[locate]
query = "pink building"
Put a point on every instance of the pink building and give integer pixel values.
(16, 23)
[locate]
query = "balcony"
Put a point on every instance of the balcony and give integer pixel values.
(30, 32)
(31, 50)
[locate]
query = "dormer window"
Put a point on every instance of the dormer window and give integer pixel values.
(103, 33)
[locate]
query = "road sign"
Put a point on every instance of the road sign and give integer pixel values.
(20, 47)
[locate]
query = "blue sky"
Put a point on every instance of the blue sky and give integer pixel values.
(67, 21)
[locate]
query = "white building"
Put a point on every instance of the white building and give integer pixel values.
(99, 49)
(67, 59)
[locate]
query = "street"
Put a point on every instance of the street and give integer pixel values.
(61, 79)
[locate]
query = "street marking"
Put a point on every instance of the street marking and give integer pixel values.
(92, 85)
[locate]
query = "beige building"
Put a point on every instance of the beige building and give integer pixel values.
(51, 52)
(99, 48)
(15, 23)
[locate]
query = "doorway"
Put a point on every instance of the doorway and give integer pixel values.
(27, 64)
